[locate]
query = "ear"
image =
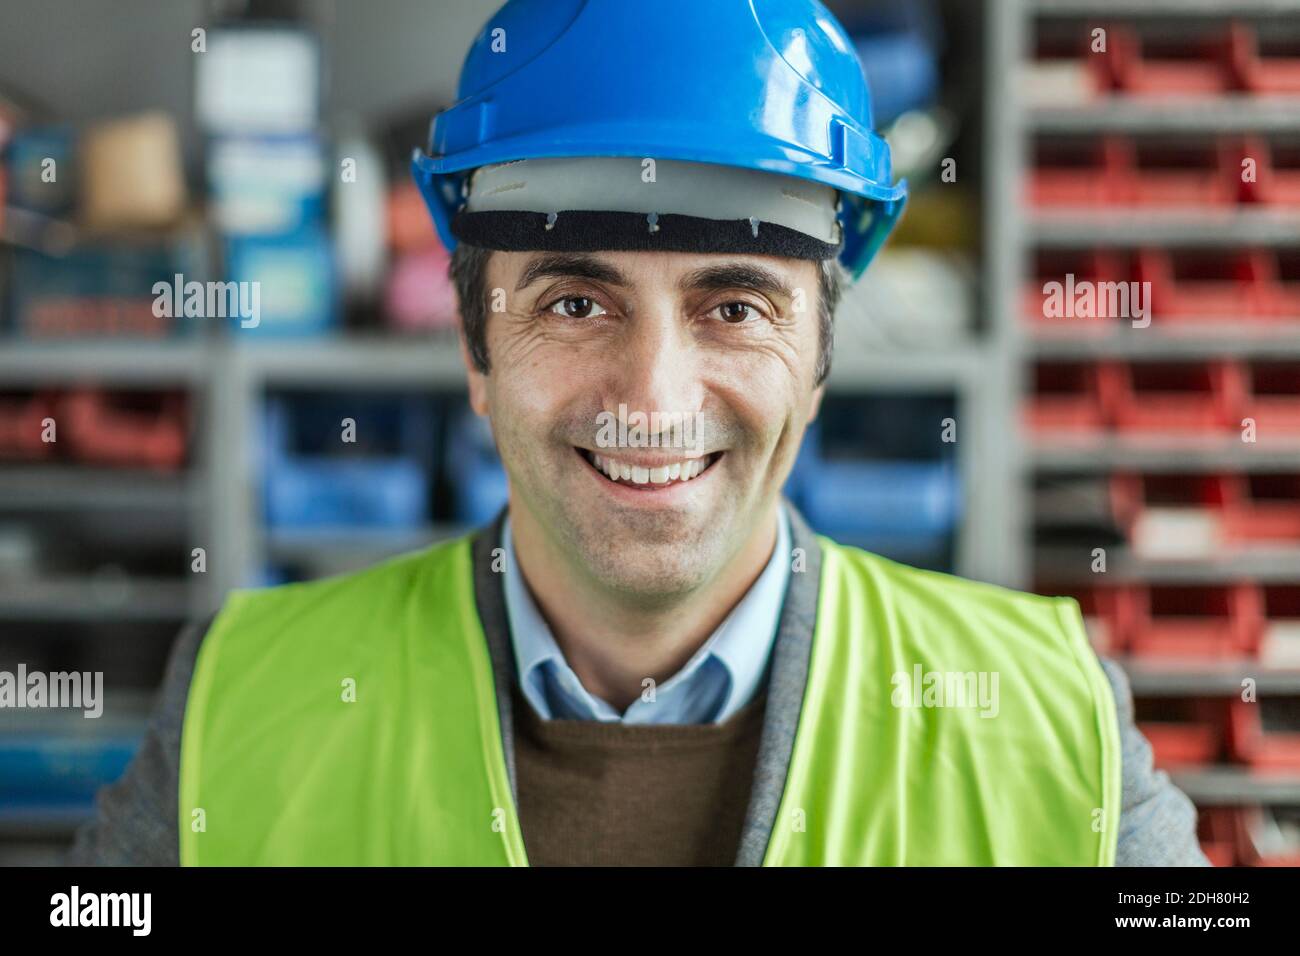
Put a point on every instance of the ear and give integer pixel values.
(476, 380)
(818, 393)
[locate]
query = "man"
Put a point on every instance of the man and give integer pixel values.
(649, 657)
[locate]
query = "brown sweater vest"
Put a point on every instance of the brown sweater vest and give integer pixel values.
(610, 794)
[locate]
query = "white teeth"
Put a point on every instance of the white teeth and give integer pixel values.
(677, 471)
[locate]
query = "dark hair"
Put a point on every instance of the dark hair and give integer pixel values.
(469, 274)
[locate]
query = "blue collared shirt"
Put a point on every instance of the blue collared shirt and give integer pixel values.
(719, 679)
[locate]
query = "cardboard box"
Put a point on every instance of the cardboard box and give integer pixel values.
(131, 174)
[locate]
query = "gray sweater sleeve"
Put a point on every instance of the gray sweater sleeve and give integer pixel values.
(1157, 821)
(136, 818)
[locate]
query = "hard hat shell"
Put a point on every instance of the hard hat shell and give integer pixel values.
(773, 85)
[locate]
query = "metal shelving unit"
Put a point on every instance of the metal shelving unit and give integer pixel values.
(1020, 230)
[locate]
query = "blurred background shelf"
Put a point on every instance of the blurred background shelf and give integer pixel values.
(1217, 114)
(1169, 454)
(1166, 228)
(1257, 564)
(41, 823)
(355, 362)
(1185, 677)
(1232, 786)
(109, 362)
(1226, 339)
(54, 486)
(1160, 8)
(94, 599)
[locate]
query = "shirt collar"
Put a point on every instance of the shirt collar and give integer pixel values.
(741, 645)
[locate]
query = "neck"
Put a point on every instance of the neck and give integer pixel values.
(614, 644)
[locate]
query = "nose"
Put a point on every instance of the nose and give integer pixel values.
(656, 368)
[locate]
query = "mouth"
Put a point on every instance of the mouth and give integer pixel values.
(649, 476)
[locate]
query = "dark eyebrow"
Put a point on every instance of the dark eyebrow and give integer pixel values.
(561, 265)
(733, 275)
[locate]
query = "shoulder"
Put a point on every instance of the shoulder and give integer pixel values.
(352, 593)
(1036, 644)
(937, 594)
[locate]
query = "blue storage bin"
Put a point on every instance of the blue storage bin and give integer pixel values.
(898, 45)
(883, 500)
(882, 497)
(314, 480)
(39, 769)
(104, 290)
(267, 185)
(902, 72)
(298, 287)
(28, 186)
(475, 471)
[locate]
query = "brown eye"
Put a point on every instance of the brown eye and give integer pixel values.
(576, 307)
(735, 312)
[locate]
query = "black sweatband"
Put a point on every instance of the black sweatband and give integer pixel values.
(587, 231)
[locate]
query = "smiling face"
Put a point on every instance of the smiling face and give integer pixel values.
(689, 377)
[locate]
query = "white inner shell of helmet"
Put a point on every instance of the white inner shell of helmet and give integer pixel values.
(617, 184)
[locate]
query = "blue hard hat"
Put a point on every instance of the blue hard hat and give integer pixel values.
(771, 85)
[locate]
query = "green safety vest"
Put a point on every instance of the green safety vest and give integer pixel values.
(353, 721)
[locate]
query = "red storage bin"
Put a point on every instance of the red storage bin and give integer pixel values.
(1266, 733)
(1268, 509)
(1266, 64)
(1131, 494)
(21, 428)
(409, 226)
(1179, 397)
(1282, 293)
(1183, 732)
(1280, 644)
(1174, 516)
(1266, 836)
(1273, 397)
(1195, 620)
(1277, 171)
(1102, 609)
(1219, 831)
(1169, 66)
(1087, 172)
(1190, 174)
(1064, 71)
(1071, 396)
(1188, 285)
(1052, 265)
(147, 429)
